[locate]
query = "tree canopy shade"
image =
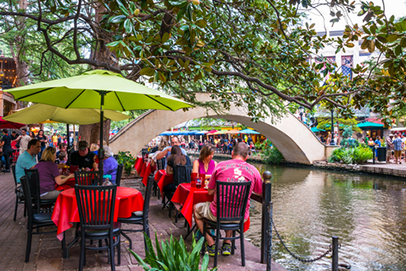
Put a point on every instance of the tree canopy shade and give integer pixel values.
(259, 48)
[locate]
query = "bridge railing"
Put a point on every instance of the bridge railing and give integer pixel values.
(268, 224)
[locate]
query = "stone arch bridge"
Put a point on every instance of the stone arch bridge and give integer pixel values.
(294, 140)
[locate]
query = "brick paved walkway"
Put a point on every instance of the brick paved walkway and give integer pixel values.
(46, 248)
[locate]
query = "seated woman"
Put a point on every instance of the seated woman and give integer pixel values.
(109, 164)
(49, 174)
(205, 164)
(176, 158)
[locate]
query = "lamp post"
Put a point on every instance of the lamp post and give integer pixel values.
(332, 143)
(301, 111)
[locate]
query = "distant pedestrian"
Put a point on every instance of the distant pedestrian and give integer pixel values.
(23, 140)
(397, 144)
(389, 147)
(377, 143)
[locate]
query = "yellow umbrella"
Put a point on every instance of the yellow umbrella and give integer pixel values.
(43, 113)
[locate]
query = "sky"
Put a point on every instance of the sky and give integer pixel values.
(392, 7)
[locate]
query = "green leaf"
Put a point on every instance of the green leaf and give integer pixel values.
(122, 8)
(128, 26)
(117, 19)
(398, 50)
(201, 23)
(392, 38)
(165, 37)
(403, 42)
(162, 77)
(205, 262)
(147, 71)
(189, 12)
(181, 12)
(381, 39)
(113, 43)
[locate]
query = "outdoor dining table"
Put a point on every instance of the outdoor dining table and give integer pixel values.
(65, 213)
(164, 179)
(138, 164)
(68, 184)
(146, 173)
(188, 196)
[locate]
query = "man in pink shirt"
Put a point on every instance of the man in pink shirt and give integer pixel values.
(235, 170)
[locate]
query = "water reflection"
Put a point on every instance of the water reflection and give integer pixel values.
(367, 213)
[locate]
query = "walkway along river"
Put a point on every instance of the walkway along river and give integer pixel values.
(367, 213)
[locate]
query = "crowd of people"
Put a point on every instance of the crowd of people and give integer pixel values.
(221, 145)
(50, 156)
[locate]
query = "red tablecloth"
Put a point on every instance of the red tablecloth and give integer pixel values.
(138, 164)
(159, 174)
(164, 181)
(68, 184)
(143, 167)
(188, 196)
(146, 174)
(128, 200)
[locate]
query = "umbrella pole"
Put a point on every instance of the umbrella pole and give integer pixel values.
(67, 136)
(101, 151)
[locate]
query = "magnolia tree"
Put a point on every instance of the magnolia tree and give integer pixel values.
(256, 53)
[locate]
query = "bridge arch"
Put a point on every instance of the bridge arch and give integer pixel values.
(292, 138)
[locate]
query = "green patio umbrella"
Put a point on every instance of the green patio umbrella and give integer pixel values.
(97, 89)
(43, 112)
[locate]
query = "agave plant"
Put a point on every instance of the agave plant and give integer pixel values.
(173, 255)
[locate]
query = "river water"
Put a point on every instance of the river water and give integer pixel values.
(367, 213)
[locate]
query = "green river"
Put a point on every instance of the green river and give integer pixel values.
(367, 213)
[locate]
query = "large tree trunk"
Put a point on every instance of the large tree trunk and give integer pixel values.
(17, 51)
(91, 132)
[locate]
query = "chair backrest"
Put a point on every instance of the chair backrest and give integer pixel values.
(96, 206)
(27, 198)
(120, 168)
(181, 174)
(161, 163)
(87, 177)
(232, 198)
(32, 177)
(147, 196)
(13, 169)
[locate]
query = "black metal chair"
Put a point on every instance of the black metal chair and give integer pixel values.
(87, 177)
(119, 173)
(160, 164)
(42, 205)
(140, 218)
(181, 174)
(232, 198)
(96, 213)
(35, 220)
(19, 193)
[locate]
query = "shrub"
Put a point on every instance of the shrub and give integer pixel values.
(173, 255)
(357, 155)
(271, 154)
(127, 160)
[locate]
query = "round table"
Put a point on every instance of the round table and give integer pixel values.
(65, 213)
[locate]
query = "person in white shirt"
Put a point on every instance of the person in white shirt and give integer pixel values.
(23, 139)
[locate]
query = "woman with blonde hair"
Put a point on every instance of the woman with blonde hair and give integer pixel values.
(205, 164)
(49, 174)
(163, 144)
(93, 147)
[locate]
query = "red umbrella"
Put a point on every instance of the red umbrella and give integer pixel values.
(212, 131)
(4, 124)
